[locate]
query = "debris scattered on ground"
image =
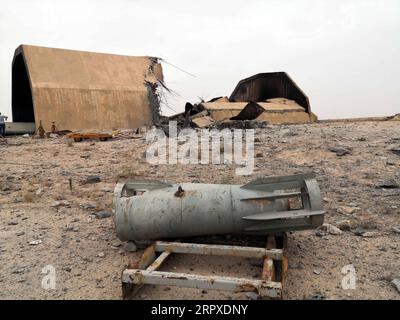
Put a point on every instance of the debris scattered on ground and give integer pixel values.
(88, 205)
(389, 184)
(359, 231)
(331, 229)
(35, 242)
(340, 151)
(344, 225)
(370, 234)
(92, 179)
(103, 214)
(347, 209)
(340, 183)
(61, 203)
(396, 284)
(296, 266)
(396, 230)
(262, 98)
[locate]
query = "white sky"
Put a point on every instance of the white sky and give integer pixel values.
(345, 55)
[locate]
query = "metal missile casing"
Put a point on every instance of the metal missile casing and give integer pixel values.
(157, 210)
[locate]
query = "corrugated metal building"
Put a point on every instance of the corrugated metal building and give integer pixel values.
(84, 90)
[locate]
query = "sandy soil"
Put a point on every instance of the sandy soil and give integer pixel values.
(36, 203)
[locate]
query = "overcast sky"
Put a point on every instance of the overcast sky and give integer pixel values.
(345, 55)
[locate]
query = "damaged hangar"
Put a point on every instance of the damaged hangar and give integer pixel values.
(266, 97)
(84, 90)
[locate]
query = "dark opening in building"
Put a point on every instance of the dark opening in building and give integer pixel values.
(22, 105)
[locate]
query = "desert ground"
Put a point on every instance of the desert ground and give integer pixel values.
(43, 222)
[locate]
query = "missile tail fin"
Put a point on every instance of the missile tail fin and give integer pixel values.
(280, 182)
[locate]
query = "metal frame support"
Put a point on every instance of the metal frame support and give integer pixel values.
(145, 270)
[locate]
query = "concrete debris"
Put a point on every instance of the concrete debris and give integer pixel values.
(344, 225)
(347, 209)
(116, 244)
(103, 214)
(298, 266)
(61, 203)
(389, 184)
(88, 205)
(396, 117)
(320, 233)
(396, 229)
(203, 122)
(331, 229)
(359, 231)
(370, 234)
(35, 242)
(396, 284)
(340, 151)
(228, 114)
(92, 179)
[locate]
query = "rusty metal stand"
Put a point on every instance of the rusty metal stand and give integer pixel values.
(144, 271)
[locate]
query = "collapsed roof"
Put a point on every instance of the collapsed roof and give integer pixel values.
(266, 97)
(84, 90)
